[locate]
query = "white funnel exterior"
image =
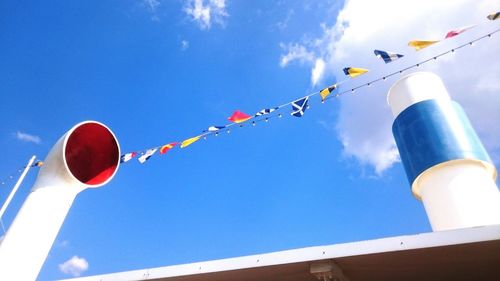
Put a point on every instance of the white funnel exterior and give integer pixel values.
(86, 156)
(447, 166)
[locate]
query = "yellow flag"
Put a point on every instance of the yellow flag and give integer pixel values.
(327, 91)
(354, 71)
(419, 45)
(189, 141)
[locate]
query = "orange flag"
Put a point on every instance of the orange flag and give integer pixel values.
(167, 147)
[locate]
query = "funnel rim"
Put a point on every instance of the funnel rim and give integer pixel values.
(65, 142)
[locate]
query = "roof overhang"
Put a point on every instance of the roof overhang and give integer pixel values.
(463, 254)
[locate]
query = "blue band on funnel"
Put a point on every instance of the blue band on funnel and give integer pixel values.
(431, 132)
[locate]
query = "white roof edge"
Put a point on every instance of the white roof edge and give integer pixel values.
(390, 244)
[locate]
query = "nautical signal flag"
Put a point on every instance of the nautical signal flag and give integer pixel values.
(419, 44)
(167, 147)
(126, 157)
(327, 91)
(37, 164)
(299, 107)
(145, 157)
(493, 16)
(239, 117)
(387, 56)
(354, 71)
(265, 111)
(453, 33)
(190, 141)
(214, 128)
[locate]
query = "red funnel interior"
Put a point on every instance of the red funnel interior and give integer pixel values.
(92, 153)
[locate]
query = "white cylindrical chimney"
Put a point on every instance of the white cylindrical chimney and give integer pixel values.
(445, 162)
(87, 156)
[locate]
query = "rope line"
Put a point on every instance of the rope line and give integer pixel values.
(265, 118)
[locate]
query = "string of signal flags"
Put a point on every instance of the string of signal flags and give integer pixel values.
(3, 181)
(299, 106)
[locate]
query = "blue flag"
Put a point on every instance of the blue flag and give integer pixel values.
(299, 107)
(265, 111)
(387, 56)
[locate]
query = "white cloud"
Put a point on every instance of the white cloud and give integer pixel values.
(28, 138)
(295, 52)
(74, 266)
(205, 12)
(317, 71)
(365, 121)
(184, 45)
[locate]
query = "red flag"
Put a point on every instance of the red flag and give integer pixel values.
(455, 32)
(167, 147)
(239, 117)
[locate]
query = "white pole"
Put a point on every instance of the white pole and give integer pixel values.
(18, 183)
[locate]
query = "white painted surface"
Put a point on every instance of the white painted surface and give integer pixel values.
(32, 233)
(459, 194)
(16, 186)
(413, 88)
(400, 243)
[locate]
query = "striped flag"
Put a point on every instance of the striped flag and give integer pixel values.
(327, 91)
(190, 141)
(299, 107)
(239, 117)
(419, 44)
(493, 16)
(387, 56)
(354, 71)
(265, 111)
(167, 147)
(453, 33)
(145, 157)
(126, 157)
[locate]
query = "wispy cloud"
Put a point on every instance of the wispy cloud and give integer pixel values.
(184, 45)
(364, 125)
(205, 12)
(74, 266)
(295, 52)
(281, 25)
(62, 244)
(152, 6)
(28, 138)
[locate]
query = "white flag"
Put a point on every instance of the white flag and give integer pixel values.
(147, 155)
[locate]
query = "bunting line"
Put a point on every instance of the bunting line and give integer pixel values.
(298, 106)
(37, 163)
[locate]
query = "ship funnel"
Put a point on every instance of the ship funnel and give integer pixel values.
(446, 164)
(87, 156)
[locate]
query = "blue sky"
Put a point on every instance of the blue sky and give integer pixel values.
(162, 71)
